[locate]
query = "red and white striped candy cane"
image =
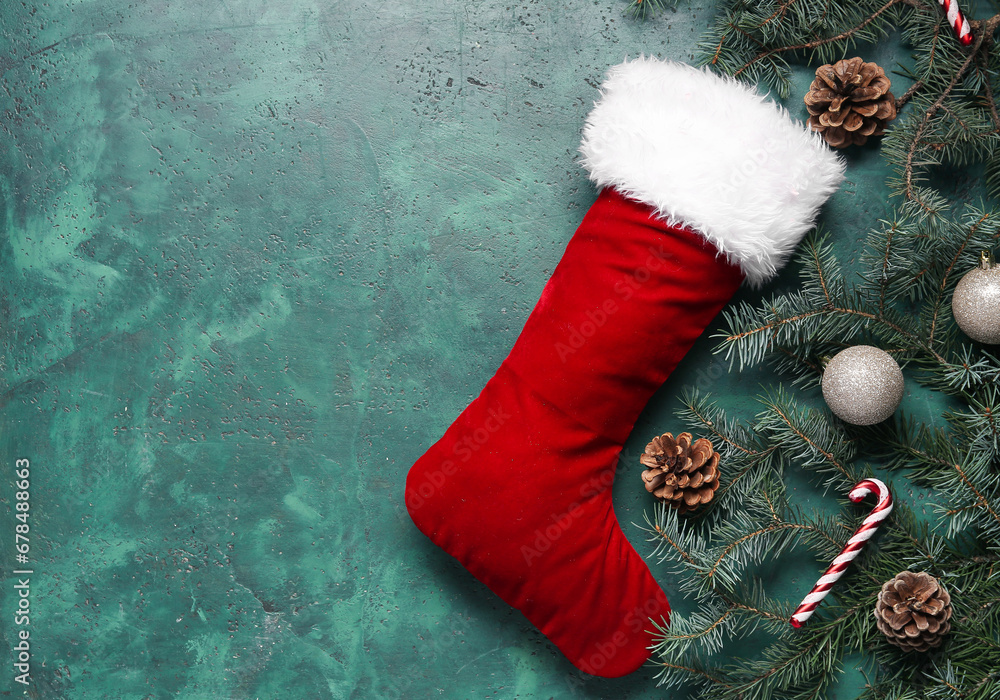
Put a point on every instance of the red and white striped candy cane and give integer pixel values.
(957, 20)
(849, 552)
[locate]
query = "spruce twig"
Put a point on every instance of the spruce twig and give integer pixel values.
(900, 302)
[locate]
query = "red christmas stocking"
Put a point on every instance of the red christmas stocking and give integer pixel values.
(705, 184)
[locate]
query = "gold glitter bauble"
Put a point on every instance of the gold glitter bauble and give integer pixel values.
(862, 385)
(976, 303)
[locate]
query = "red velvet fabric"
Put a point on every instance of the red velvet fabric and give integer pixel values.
(518, 489)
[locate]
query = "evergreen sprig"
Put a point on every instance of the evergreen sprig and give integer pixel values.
(900, 301)
(752, 522)
(953, 118)
(645, 8)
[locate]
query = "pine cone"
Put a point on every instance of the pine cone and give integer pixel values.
(850, 101)
(913, 611)
(680, 473)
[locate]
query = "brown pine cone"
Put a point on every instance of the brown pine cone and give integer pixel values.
(850, 101)
(682, 474)
(913, 611)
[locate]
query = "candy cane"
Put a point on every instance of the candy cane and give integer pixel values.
(851, 550)
(957, 21)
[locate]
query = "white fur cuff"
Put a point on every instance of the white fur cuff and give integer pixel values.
(710, 154)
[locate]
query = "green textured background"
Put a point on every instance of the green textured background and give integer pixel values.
(256, 257)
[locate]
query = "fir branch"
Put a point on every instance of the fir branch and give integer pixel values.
(828, 40)
(644, 8)
(939, 298)
(912, 90)
(774, 617)
(925, 452)
(909, 267)
(665, 537)
(694, 671)
(826, 307)
(807, 435)
(928, 115)
(771, 529)
(698, 409)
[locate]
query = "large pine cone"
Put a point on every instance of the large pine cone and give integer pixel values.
(913, 611)
(850, 101)
(682, 474)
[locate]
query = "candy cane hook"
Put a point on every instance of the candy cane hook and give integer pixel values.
(851, 550)
(957, 21)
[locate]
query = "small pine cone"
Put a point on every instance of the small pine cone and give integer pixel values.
(913, 611)
(680, 473)
(850, 101)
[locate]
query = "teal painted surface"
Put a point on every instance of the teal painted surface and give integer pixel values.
(256, 258)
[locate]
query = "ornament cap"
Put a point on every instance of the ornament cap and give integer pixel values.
(986, 260)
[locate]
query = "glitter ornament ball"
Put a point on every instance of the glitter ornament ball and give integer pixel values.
(976, 303)
(862, 385)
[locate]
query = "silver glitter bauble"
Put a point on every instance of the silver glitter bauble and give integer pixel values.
(976, 303)
(862, 385)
